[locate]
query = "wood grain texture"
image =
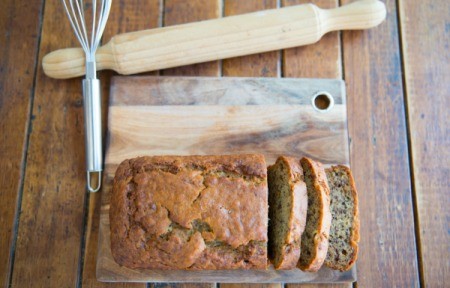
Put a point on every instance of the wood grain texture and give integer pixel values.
(250, 285)
(379, 155)
(125, 16)
(19, 36)
(338, 285)
(188, 130)
(179, 12)
(246, 121)
(182, 285)
(320, 60)
(51, 218)
(205, 90)
(425, 37)
(258, 65)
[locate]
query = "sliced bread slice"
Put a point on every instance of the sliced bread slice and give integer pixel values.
(314, 243)
(287, 211)
(344, 233)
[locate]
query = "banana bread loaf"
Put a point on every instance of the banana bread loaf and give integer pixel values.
(192, 212)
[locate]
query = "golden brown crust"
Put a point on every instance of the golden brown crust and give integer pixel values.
(192, 212)
(324, 223)
(291, 253)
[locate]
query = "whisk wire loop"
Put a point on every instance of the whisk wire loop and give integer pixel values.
(105, 9)
(74, 23)
(89, 40)
(94, 15)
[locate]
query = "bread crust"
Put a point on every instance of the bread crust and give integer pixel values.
(324, 220)
(190, 212)
(297, 220)
(355, 235)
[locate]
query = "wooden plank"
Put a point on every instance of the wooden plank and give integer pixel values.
(248, 285)
(19, 37)
(379, 155)
(258, 65)
(51, 219)
(226, 115)
(425, 37)
(337, 285)
(320, 60)
(181, 285)
(181, 11)
(125, 16)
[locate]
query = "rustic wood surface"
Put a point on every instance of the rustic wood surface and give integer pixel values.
(270, 116)
(51, 217)
(20, 30)
(379, 157)
(427, 79)
(398, 128)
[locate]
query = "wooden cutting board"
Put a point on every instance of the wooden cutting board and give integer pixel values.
(187, 115)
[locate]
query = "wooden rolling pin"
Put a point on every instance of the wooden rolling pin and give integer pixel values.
(215, 39)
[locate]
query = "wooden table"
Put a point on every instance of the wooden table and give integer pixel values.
(398, 86)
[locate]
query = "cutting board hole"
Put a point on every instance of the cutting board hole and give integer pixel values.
(322, 101)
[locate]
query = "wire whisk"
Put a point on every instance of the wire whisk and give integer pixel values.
(89, 36)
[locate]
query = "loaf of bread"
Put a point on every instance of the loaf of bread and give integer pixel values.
(344, 233)
(193, 212)
(287, 211)
(318, 220)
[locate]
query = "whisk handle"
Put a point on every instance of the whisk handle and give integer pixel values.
(93, 130)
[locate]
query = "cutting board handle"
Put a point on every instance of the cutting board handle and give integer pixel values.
(215, 39)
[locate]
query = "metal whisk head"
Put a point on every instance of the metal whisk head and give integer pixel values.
(89, 39)
(89, 35)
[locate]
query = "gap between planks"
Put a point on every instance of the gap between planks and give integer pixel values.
(410, 156)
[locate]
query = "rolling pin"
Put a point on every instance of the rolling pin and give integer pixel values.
(216, 39)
